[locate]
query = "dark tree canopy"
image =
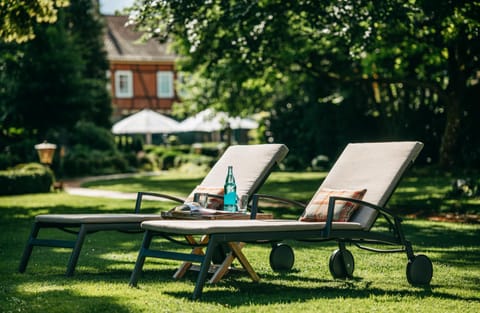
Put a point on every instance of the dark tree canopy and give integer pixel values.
(55, 80)
(383, 62)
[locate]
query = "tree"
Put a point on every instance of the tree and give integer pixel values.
(430, 46)
(397, 59)
(18, 19)
(55, 80)
(62, 74)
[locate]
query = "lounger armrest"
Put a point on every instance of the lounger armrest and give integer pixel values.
(256, 198)
(368, 204)
(138, 203)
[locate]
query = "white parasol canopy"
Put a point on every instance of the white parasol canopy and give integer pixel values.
(209, 121)
(146, 122)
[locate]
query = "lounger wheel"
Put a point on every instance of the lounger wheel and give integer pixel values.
(341, 264)
(419, 270)
(281, 257)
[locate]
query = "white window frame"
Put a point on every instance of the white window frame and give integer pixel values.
(127, 90)
(165, 84)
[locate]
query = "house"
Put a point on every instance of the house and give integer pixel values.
(142, 74)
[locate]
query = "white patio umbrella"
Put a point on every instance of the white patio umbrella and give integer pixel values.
(242, 123)
(146, 122)
(210, 121)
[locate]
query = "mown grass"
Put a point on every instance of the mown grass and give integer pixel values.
(101, 281)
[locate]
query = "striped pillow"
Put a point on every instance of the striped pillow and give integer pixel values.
(317, 209)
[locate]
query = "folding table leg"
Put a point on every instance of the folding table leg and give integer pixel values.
(197, 250)
(236, 248)
(236, 252)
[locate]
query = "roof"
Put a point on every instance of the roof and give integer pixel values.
(123, 43)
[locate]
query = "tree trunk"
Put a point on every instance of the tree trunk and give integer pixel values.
(448, 155)
(451, 135)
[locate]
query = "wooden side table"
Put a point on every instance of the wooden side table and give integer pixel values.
(235, 247)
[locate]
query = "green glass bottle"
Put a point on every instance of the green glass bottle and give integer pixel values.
(230, 192)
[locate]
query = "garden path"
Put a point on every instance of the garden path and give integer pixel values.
(73, 187)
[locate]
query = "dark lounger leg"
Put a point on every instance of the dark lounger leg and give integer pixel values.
(27, 252)
(147, 239)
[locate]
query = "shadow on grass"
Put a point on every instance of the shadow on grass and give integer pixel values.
(455, 246)
(48, 300)
(265, 293)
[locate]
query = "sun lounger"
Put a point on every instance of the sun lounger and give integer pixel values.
(252, 165)
(372, 169)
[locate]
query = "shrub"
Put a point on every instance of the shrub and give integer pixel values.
(147, 161)
(96, 138)
(168, 159)
(26, 178)
(81, 161)
(199, 160)
(17, 152)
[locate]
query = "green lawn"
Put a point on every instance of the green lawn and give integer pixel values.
(101, 280)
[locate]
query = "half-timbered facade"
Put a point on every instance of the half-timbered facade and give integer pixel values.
(142, 74)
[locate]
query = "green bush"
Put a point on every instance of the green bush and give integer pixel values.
(16, 152)
(96, 138)
(196, 159)
(82, 161)
(168, 159)
(26, 178)
(147, 162)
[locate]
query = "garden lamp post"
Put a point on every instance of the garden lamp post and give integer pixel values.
(45, 152)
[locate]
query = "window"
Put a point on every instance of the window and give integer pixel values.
(123, 84)
(165, 84)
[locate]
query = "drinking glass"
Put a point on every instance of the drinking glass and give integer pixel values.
(243, 204)
(203, 199)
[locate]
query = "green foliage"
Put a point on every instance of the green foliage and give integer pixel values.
(147, 162)
(18, 19)
(82, 161)
(167, 160)
(54, 80)
(63, 71)
(92, 136)
(199, 160)
(18, 152)
(101, 281)
(26, 178)
(399, 70)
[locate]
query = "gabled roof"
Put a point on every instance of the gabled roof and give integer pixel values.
(123, 43)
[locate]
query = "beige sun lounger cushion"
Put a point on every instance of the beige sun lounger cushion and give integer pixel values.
(251, 163)
(208, 227)
(377, 167)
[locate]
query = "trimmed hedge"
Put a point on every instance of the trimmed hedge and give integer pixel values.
(82, 161)
(26, 178)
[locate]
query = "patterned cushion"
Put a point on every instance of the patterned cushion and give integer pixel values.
(317, 209)
(213, 203)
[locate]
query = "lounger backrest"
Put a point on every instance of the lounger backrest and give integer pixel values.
(378, 167)
(251, 166)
